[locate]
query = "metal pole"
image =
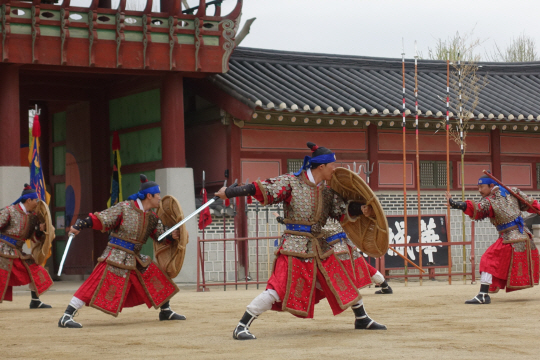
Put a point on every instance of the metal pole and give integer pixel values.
(404, 167)
(246, 247)
(257, 236)
(235, 202)
(268, 241)
(448, 212)
(224, 249)
(417, 159)
(462, 167)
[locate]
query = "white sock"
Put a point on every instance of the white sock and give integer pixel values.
(76, 303)
(486, 278)
(263, 302)
(377, 278)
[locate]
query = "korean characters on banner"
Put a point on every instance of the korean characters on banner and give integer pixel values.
(433, 232)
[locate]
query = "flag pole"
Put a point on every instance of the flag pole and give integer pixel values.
(404, 166)
(417, 159)
(448, 212)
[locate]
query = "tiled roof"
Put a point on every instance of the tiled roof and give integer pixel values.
(355, 85)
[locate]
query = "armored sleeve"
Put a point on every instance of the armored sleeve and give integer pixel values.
(339, 208)
(4, 217)
(111, 217)
(480, 210)
(159, 230)
(275, 190)
(528, 199)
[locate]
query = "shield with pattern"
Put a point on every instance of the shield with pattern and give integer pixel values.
(369, 234)
(170, 255)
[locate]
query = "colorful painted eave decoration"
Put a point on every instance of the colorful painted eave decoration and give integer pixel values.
(39, 33)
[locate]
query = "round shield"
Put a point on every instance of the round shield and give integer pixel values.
(41, 249)
(170, 256)
(369, 234)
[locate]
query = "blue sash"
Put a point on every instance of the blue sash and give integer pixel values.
(297, 227)
(8, 239)
(517, 222)
(122, 243)
(335, 237)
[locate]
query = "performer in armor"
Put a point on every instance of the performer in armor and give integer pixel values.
(18, 222)
(302, 265)
(512, 261)
(362, 273)
(124, 277)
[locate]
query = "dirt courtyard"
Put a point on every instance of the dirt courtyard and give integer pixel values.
(424, 322)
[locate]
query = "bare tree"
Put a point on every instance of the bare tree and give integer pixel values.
(521, 49)
(458, 46)
(467, 85)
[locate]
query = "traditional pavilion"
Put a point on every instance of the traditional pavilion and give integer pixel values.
(271, 103)
(183, 105)
(93, 71)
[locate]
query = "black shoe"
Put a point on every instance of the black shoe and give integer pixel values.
(363, 322)
(479, 299)
(37, 304)
(66, 321)
(168, 314)
(367, 324)
(385, 290)
(241, 332)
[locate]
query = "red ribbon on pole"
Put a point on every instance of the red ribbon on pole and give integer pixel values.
(205, 218)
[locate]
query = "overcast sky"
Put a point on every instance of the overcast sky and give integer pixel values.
(376, 27)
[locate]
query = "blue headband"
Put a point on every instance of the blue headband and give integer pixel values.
(23, 198)
(488, 181)
(321, 159)
(142, 194)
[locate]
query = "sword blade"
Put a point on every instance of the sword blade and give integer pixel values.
(208, 203)
(174, 227)
(71, 236)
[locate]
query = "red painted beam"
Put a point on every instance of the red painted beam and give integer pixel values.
(172, 122)
(373, 156)
(496, 153)
(9, 116)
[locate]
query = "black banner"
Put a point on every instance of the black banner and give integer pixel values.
(433, 231)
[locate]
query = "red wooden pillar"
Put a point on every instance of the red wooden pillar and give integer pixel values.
(100, 163)
(10, 133)
(172, 122)
(24, 128)
(496, 153)
(373, 156)
(235, 173)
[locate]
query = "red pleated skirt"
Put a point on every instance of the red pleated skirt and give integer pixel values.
(135, 294)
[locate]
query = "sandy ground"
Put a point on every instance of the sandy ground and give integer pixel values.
(424, 322)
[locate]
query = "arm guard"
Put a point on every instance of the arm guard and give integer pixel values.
(458, 204)
(83, 223)
(244, 190)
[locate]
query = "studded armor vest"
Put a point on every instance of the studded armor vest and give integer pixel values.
(506, 210)
(125, 221)
(304, 204)
(18, 226)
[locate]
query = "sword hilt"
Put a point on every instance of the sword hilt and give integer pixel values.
(215, 198)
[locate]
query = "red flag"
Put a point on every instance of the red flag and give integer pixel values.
(205, 218)
(249, 200)
(227, 203)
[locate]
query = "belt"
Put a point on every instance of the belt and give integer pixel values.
(122, 243)
(517, 222)
(335, 237)
(11, 240)
(298, 227)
